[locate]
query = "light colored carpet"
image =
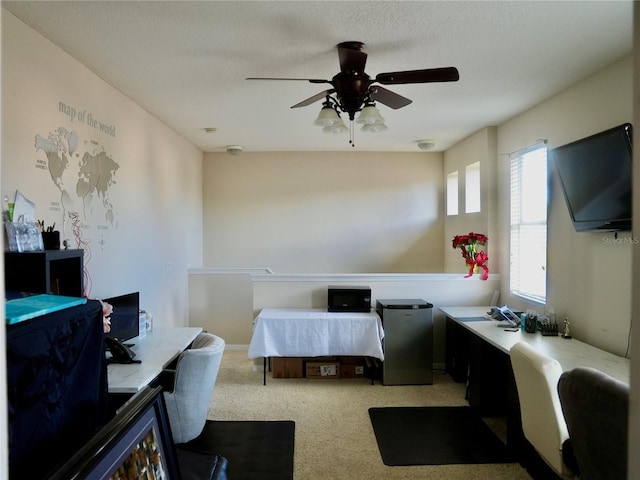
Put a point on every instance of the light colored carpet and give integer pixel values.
(334, 439)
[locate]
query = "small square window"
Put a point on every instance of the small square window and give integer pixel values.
(472, 188)
(452, 193)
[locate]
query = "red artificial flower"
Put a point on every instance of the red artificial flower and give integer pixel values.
(473, 258)
(460, 240)
(478, 238)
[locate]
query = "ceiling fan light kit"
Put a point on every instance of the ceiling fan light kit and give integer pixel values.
(337, 128)
(353, 91)
(374, 128)
(369, 115)
(327, 117)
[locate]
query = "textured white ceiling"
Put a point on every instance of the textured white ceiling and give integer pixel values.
(186, 62)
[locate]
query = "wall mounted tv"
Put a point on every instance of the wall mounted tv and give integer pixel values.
(595, 177)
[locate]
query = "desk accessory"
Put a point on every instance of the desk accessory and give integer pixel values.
(120, 352)
(531, 322)
(567, 332)
(505, 314)
(548, 329)
(23, 236)
(51, 239)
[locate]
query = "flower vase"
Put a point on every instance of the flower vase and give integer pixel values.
(469, 271)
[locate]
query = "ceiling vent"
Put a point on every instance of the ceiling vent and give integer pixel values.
(234, 149)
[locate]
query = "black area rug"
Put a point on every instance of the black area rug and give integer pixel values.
(255, 450)
(435, 436)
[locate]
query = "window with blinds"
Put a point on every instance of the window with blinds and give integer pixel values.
(528, 238)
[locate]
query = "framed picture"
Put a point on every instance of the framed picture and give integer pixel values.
(135, 444)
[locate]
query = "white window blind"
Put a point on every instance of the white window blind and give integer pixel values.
(528, 240)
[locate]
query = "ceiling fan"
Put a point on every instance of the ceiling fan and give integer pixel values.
(352, 90)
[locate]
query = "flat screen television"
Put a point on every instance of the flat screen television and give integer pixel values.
(125, 318)
(595, 178)
(136, 443)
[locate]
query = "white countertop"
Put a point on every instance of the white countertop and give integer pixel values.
(155, 350)
(570, 353)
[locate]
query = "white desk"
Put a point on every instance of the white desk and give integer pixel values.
(155, 350)
(569, 353)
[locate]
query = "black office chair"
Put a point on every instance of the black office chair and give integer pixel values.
(596, 409)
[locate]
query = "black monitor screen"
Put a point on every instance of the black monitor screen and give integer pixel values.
(595, 175)
(125, 316)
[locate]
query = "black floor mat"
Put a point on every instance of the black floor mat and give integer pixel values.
(256, 450)
(435, 436)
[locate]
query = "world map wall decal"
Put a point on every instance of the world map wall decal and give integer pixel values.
(92, 173)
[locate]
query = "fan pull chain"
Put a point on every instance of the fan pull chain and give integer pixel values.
(351, 132)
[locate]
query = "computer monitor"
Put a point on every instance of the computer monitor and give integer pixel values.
(125, 317)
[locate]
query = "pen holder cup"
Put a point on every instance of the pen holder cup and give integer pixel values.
(51, 240)
(530, 324)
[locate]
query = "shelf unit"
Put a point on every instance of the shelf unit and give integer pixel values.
(59, 272)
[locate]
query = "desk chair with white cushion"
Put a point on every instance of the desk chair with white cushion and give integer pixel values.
(542, 420)
(195, 377)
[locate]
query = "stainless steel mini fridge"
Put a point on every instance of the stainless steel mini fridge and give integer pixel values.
(408, 341)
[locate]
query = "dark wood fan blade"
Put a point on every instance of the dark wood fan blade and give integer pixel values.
(351, 56)
(310, 80)
(388, 98)
(313, 99)
(447, 74)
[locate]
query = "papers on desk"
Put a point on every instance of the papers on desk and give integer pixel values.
(474, 319)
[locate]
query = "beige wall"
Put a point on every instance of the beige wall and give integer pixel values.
(335, 212)
(634, 401)
(156, 197)
(588, 274)
(479, 147)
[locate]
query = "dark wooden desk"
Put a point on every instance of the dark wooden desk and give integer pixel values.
(477, 352)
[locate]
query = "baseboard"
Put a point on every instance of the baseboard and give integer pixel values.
(237, 347)
(439, 366)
